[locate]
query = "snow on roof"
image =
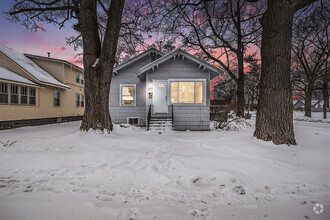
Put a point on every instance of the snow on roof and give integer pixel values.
(11, 76)
(202, 64)
(29, 66)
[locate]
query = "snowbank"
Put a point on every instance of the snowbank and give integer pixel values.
(57, 172)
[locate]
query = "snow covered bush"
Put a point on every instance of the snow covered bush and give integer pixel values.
(230, 122)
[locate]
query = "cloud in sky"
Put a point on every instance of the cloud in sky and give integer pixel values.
(61, 49)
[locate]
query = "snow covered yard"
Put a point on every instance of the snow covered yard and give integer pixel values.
(57, 172)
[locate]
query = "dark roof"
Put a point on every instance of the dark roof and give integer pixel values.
(178, 52)
(137, 57)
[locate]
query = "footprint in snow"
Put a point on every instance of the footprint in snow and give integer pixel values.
(80, 190)
(239, 190)
(104, 198)
(129, 214)
(199, 212)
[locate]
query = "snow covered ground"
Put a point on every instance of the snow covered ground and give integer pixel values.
(316, 117)
(57, 172)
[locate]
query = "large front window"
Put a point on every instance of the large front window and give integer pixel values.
(127, 94)
(187, 92)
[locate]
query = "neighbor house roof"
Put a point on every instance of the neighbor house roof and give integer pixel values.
(31, 68)
(54, 59)
(6, 74)
(136, 58)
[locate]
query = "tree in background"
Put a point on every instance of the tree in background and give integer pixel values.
(274, 115)
(252, 80)
(222, 30)
(98, 23)
(310, 46)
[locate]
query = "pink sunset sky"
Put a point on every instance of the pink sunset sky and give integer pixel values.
(17, 37)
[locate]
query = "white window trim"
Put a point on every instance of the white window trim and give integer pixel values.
(82, 99)
(77, 95)
(120, 94)
(82, 79)
(186, 80)
(77, 74)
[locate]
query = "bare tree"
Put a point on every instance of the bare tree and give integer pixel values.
(310, 48)
(252, 80)
(274, 116)
(99, 51)
(222, 30)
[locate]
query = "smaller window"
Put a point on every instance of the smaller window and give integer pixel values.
(82, 79)
(56, 98)
(133, 121)
(127, 95)
(24, 95)
(13, 94)
(77, 78)
(77, 100)
(3, 93)
(32, 96)
(82, 101)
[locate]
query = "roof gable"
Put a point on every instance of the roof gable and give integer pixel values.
(137, 58)
(30, 67)
(179, 54)
(53, 59)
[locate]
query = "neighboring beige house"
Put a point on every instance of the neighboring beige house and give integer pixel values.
(38, 90)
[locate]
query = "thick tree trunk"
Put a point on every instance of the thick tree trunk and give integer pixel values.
(98, 63)
(274, 116)
(308, 101)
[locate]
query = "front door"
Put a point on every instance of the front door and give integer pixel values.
(160, 96)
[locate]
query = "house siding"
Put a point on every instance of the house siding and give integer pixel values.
(186, 117)
(44, 107)
(194, 118)
(127, 75)
(52, 67)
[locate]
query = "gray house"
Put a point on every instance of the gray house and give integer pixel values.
(162, 90)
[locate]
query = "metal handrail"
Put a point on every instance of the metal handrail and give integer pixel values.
(172, 116)
(149, 117)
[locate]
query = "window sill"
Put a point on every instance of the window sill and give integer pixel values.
(127, 106)
(188, 104)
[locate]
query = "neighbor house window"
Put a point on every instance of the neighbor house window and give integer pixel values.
(82, 101)
(127, 94)
(187, 92)
(13, 94)
(77, 100)
(56, 98)
(77, 78)
(3, 93)
(32, 96)
(82, 79)
(24, 95)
